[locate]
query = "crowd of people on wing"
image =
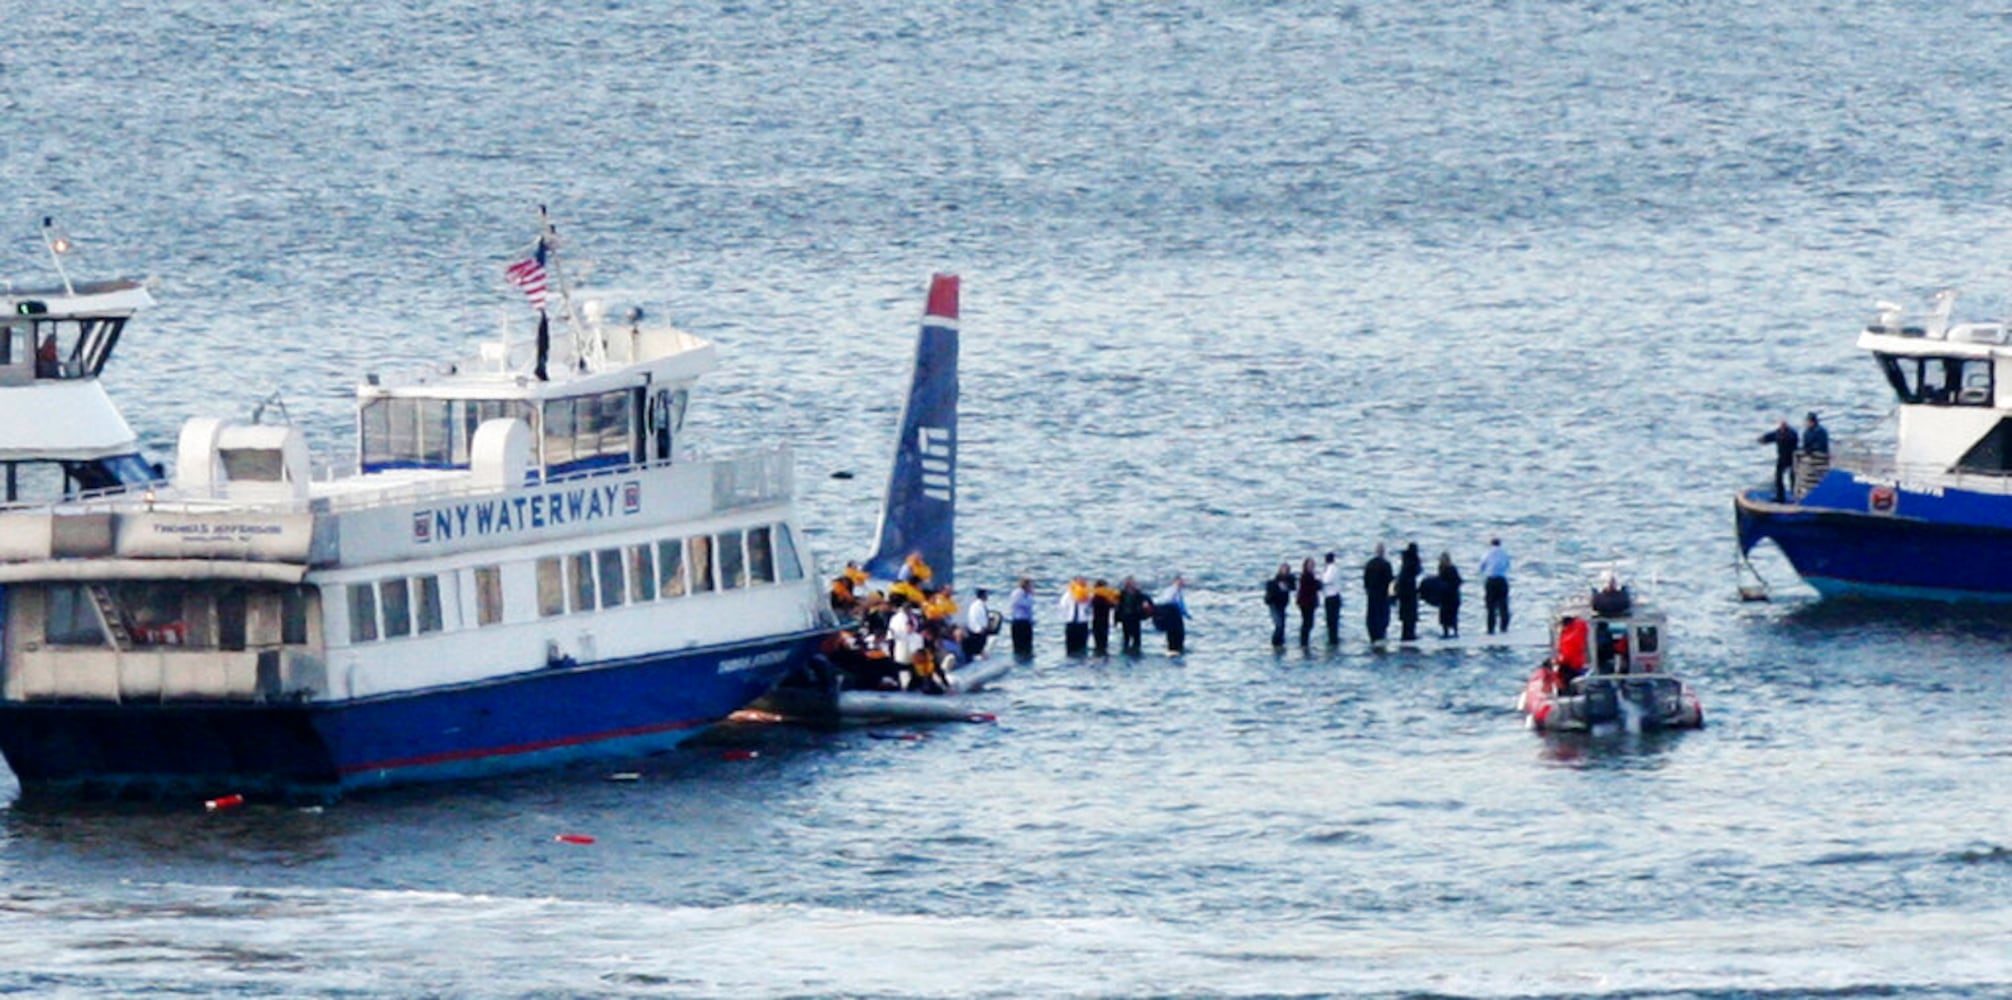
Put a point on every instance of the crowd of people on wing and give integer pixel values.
(1087, 609)
(909, 637)
(1318, 590)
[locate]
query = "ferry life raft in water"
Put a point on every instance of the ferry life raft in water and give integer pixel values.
(524, 571)
(1931, 517)
(1622, 641)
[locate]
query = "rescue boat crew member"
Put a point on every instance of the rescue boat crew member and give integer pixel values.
(1571, 657)
(1020, 612)
(1784, 440)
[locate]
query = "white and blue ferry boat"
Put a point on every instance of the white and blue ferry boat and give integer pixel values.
(527, 567)
(1932, 517)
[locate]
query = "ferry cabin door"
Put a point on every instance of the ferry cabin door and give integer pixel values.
(667, 413)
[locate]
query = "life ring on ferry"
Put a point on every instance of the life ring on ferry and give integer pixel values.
(1882, 500)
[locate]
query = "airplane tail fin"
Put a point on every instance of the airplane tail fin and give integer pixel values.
(918, 515)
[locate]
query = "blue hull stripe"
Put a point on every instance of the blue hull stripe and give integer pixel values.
(1913, 552)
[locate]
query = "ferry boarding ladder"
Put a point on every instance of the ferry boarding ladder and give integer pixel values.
(109, 616)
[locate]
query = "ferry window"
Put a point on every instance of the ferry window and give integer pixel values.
(670, 568)
(733, 568)
(472, 413)
(551, 587)
(397, 608)
(761, 564)
(72, 621)
(293, 616)
(434, 430)
(642, 573)
(403, 439)
(231, 619)
(488, 595)
(426, 603)
(702, 563)
(362, 612)
(611, 422)
(609, 562)
(785, 554)
(253, 465)
(580, 572)
(1939, 381)
(1646, 639)
(558, 431)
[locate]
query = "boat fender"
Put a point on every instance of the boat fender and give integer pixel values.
(573, 838)
(224, 802)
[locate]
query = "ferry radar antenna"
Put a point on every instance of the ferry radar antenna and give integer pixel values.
(58, 245)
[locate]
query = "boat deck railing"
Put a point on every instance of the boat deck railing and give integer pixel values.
(1867, 460)
(739, 479)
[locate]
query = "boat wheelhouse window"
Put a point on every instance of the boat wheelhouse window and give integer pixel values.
(1939, 381)
(71, 618)
(670, 568)
(397, 599)
(468, 414)
(785, 553)
(558, 432)
(362, 612)
(761, 561)
(580, 573)
(609, 563)
(158, 614)
(551, 587)
(701, 558)
(293, 616)
(1646, 639)
(406, 432)
(488, 595)
(253, 465)
(733, 564)
(642, 573)
(590, 427)
(426, 604)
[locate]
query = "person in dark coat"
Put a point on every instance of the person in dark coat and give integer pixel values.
(1134, 607)
(1376, 577)
(1408, 568)
(1103, 601)
(1783, 438)
(1308, 599)
(1449, 597)
(1278, 593)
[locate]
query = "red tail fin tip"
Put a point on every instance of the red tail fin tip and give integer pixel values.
(942, 296)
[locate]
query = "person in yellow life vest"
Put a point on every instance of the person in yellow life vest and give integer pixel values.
(924, 675)
(940, 606)
(1075, 608)
(843, 601)
(1103, 601)
(907, 590)
(915, 571)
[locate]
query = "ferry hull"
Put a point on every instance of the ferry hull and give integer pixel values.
(1899, 545)
(608, 710)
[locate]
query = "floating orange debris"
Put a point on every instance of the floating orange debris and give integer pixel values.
(226, 802)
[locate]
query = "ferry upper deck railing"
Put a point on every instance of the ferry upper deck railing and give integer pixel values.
(1865, 459)
(739, 479)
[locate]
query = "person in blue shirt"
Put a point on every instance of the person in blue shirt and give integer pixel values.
(1020, 615)
(1170, 613)
(1495, 585)
(1815, 440)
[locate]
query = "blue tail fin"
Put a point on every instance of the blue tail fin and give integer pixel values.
(919, 515)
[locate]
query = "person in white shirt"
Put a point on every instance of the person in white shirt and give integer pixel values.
(1495, 585)
(1330, 598)
(977, 626)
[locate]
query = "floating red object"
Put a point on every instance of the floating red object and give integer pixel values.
(573, 838)
(225, 802)
(981, 717)
(741, 754)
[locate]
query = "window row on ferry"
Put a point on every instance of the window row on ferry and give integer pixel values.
(573, 434)
(577, 583)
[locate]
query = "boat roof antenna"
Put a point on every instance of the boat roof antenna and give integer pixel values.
(58, 245)
(258, 411)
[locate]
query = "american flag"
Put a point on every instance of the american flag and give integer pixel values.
(529, 276)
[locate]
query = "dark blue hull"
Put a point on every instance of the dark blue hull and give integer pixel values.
(1855, 536)
(612, 709)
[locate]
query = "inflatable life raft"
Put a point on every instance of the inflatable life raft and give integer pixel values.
(1630, 702)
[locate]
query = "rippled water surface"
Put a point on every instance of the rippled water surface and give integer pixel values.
(1243, 283)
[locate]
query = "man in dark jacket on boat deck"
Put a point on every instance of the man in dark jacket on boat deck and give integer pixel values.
(1783, 438)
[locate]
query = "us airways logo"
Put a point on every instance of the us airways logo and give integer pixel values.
(527, 512)
(935, 447)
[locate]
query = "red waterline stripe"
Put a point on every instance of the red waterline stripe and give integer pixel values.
(456, 755)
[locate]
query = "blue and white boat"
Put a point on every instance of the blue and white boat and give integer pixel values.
(1932, 517)
(527, 567)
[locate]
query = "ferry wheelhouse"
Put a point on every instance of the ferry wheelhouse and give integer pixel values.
(522, 571)
(1931, 516)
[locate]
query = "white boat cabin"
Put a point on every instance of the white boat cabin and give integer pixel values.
(1955, 412)
(53, 345)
